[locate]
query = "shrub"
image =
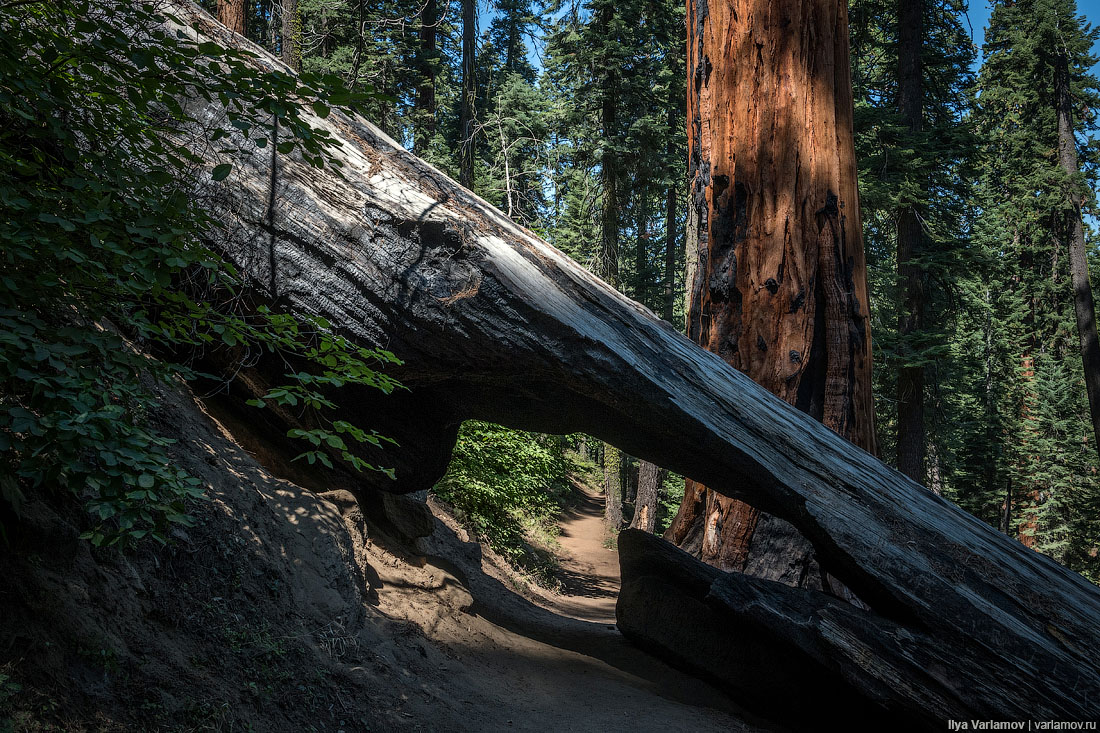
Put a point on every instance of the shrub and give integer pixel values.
(102, 245)
(506, 484)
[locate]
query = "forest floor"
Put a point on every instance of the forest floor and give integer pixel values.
(588, 563)
(284, 609)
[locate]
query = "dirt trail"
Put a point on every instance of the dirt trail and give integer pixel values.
(589, 567)
(520, 657)
(525, 658)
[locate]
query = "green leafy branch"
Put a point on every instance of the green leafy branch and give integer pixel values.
(103, 107)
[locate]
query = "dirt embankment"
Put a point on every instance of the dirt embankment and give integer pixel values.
(285, 610)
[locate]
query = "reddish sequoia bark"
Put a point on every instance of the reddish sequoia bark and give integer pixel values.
(779, 287)
(231, 15)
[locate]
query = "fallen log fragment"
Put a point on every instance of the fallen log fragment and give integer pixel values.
(495, 324)
(681, 610)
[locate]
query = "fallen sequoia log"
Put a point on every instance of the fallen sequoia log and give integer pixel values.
(495, 324)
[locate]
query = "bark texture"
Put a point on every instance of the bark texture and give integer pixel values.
(292, 34)
(650, 478)
(777, 279)
(1083, 306)
(231, 13)
(613, 486)
(494, 324)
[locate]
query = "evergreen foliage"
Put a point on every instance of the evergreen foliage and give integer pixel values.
(1045, 465)
(931, 170)
(1009, 426)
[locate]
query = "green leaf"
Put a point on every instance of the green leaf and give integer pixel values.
(221, 172)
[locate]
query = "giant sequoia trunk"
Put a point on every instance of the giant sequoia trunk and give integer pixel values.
(779, 288)
(495, 324)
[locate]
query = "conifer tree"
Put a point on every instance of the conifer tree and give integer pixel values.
(467, 146)
(1046, 488)
(915, 146)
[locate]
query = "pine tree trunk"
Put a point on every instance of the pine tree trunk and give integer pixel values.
(1028, 529)
(777, 280)
(641, 247)
(292, 35)
(613, 486)
(911, 446)
(231, 13)
(425, 93)
(469, 89)
(667, 306)
(608, 264)
(1083, 305)
(650, 478)
(669, 300)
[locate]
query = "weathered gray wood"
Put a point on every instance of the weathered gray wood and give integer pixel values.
(493, 323)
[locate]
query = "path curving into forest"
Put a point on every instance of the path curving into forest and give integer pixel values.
(532, 659)
(589, 571)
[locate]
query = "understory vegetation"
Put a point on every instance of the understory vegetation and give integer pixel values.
(510, 486)
(105, 260)
(106, 256)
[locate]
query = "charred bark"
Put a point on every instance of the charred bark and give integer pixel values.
(494, 324)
